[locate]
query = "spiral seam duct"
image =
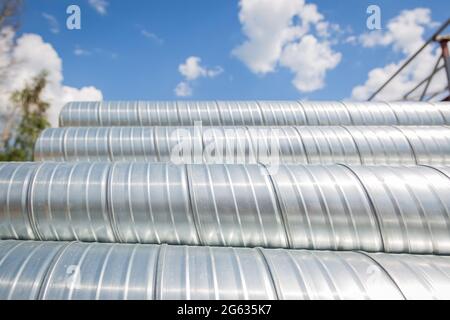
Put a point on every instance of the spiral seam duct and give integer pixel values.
(231, 200)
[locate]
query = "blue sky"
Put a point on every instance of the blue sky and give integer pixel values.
(117, 58)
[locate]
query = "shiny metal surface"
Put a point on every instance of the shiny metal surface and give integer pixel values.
(282, 113)
(102, 272)
(431, 145)
(151, 204)
(412, 205)
(326, 208)
(387, 209)
(389, 145)
(250, 113)
(15, 181)
(303, 145)
(326, 113)
(236, 205)
(444, 109)
(23, 267)
(377, 113)
(417, 113)
(72, 270)
(69, 202)
(340, 275)
(418, 277)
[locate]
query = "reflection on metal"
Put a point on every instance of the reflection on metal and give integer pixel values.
(252, 113)
(71, 270)
(144, 178)
(302, 145)
(390, 209)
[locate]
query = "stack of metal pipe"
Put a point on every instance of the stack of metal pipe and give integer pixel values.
(231, 200)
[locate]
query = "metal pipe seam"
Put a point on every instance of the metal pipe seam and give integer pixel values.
(302, 145)
(391, 209)
(268, 113)
(73, 270)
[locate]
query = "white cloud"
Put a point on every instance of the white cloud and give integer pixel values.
(375, 38)
(183, 89)
(404, 34)
(78, 51)
(31, 55)
(191, 70)
(352, 39)
(53, 23)
(150, 35)
(268, 26)
(275, 30)
(105, 53)
(309, 60)
(101, 6)
(6, 44)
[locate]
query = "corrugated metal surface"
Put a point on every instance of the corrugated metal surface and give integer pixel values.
(24, 266)
(303, 145)
(444, 109)
(418, 113)
(401, 198)
(303, 180)
(59, 270)
(70, 202)
(392, 209)
(430, 144)
(430, 274)
(15, 181)
(249, 113)
(315, 275)
(326, 208)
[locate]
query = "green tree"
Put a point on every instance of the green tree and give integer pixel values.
(26, 117)
(18, 145)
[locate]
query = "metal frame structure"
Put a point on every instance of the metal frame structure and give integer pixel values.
(443, 63)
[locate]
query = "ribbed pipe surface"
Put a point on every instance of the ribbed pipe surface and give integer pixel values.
(72, 270)
(252, 113)
(390, 209)
(301, 145)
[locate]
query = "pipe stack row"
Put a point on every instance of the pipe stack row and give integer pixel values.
(231, 200)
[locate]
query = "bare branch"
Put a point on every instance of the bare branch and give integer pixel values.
(10, 11)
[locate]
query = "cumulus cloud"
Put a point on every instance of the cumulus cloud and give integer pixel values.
(277, 30)
(52, 22)
(183, 89)
(24, 59)
(403, 34)
(191, 70)
(101, 6)
(309, 60)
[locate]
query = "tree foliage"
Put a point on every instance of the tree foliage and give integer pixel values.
(28, 101)
(23, 124)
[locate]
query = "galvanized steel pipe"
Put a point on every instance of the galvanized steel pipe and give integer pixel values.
(253, 113)
(71, 270)
(302, 145)
(390, 209)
